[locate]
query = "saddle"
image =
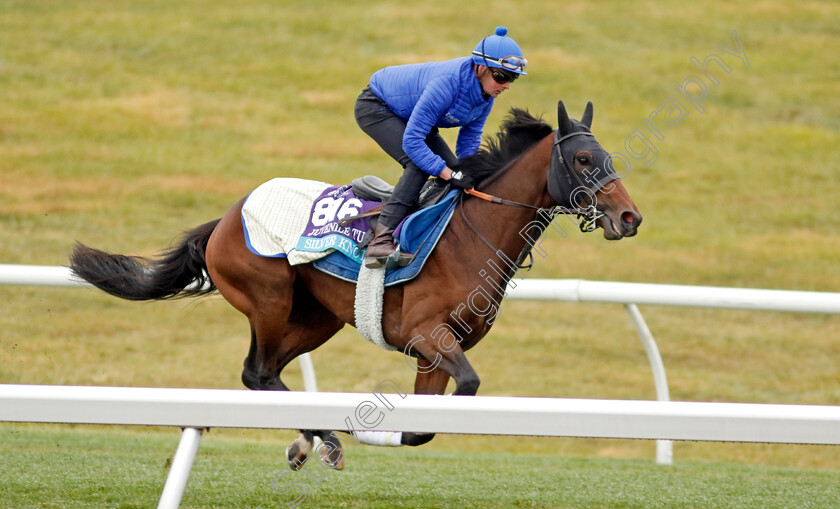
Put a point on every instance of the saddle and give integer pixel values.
(373, 188)
(419, 234)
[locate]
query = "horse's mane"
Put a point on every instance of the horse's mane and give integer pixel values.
(520, 131)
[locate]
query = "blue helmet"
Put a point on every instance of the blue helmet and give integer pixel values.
(500, 51)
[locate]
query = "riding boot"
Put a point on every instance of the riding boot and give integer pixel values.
(381, 247)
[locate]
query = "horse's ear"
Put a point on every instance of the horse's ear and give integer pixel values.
(563, 122)
(586, 119)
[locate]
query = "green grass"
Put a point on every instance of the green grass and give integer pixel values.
(123, 123)
(75, 466)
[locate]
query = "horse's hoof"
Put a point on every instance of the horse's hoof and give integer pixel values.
(415, 439)
(295, 457)
(333, 458)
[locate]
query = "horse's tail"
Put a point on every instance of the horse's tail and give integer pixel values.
(180, 271)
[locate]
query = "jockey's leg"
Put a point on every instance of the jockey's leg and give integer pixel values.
(402, 199)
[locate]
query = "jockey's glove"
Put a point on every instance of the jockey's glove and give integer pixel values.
(461, 180)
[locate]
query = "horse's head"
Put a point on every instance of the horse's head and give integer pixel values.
(581, 176)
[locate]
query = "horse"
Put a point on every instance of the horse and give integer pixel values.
(527, 174)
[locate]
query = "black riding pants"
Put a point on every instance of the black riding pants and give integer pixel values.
(387, 129)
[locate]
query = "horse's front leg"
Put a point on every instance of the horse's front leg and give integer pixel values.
(447, 357)
(429, 380)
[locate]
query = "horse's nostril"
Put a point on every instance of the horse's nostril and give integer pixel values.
(628, 217)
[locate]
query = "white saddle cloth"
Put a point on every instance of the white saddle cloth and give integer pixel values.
(275, 215)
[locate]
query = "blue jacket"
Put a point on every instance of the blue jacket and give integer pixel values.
(434, 94)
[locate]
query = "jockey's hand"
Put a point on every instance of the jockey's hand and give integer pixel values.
(461, 180)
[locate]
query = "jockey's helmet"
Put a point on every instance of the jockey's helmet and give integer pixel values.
(501, 52)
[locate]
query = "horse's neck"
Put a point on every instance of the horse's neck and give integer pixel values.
(525, 180)
(507, 227)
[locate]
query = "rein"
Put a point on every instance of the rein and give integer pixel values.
(484, 239)
(589, 214)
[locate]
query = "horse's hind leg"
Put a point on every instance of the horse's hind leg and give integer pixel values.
(267, 358)
(285, 319)
(315, 332)
(258, 375)
(276, 339)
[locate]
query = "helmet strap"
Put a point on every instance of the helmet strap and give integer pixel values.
(484, 54)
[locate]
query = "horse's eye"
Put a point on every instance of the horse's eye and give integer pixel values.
(583, 160)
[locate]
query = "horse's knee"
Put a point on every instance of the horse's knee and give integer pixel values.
(257, 381)
(467, 385)
(415, 439)
(250, 379)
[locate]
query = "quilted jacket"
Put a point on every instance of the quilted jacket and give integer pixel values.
(434, 94)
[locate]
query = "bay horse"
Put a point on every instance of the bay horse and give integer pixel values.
(526, 173)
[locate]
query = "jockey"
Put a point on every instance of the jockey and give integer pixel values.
(404, 106)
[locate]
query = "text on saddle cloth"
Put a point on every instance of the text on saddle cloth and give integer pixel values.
(323, 231)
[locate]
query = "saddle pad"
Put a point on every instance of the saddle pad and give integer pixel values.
(418, 234)
(297, 219)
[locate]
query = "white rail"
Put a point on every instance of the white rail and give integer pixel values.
(197, 409)
(37, 275)
(632, 294)
(570, 290)
(207, 408)
(580, 290)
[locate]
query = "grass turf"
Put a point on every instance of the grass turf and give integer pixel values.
(80, 467)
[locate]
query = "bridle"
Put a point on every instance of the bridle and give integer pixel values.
(561, 180)
(562, 190)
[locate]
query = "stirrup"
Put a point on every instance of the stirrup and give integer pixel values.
(393, 260)
(377, 262)
(403, 259)
(398, 259)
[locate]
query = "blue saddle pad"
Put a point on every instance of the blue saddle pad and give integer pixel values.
(417, 234)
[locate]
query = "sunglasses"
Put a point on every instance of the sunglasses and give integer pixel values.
(502, 77)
